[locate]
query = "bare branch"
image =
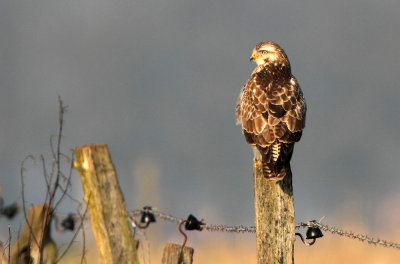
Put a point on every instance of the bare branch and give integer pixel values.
(82, 219)
(64, 191)
(45, 178)
(58, 185)
(69, 196)
(23, 196)
(9, 244)
(53, 191)
(52, 146)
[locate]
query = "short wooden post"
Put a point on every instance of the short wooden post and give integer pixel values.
(34, 238)
(174, 254)
(106, 205)
(274, 218)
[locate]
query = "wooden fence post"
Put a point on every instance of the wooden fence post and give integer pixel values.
(106, 205)
(174, 254)
(274, 218)
(35, 238)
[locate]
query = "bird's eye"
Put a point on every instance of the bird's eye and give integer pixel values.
(264, 51)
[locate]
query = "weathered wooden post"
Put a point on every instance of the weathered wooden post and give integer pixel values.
(106, 205)
(274, 218)
(175, 254)
(35, 239)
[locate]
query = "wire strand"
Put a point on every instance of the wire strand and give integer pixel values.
(211, 228)
(252, 229)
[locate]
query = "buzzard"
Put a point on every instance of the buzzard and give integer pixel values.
(272, 110)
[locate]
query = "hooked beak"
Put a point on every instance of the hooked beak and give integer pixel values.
(252, 57)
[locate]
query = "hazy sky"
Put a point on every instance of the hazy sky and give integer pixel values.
(158, 82)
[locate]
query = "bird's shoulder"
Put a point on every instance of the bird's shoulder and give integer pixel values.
(266, 87)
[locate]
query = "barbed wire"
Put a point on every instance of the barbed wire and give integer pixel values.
(252, 229)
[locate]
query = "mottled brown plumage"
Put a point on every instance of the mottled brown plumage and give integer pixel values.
(271, 109)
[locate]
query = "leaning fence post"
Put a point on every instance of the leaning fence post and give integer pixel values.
(175, 254)
(106, 205)
(274, 218)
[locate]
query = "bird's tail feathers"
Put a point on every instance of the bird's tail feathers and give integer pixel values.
(275, 160)
(270, 172)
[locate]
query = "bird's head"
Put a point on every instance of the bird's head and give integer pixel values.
(268, 52)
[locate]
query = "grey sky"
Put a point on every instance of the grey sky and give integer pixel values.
(158, 82)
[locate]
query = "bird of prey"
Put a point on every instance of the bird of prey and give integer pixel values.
(272, 110)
